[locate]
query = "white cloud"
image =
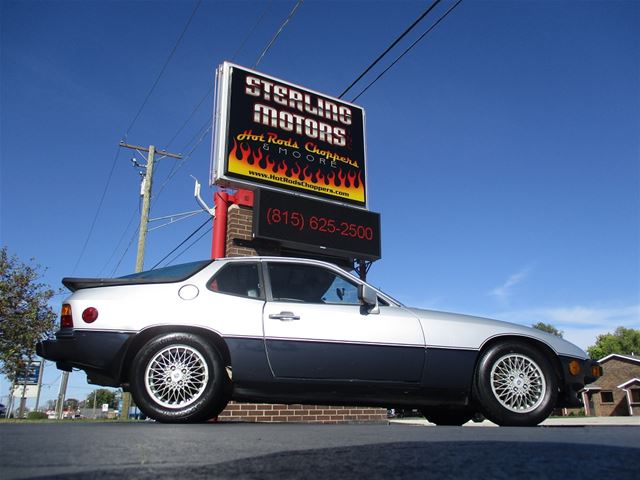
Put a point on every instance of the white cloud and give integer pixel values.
(581, 325)
(504, 291)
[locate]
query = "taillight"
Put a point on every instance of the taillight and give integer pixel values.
(66, 320)
(90, 315)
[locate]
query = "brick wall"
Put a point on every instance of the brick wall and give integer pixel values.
(239, 226)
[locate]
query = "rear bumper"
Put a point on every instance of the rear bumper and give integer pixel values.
(99, 354)
(570, 396)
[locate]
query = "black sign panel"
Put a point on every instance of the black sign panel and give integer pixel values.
(287, 137)
(316, 226)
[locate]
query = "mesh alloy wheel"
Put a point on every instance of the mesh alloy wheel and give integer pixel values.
(176, 376)
(518, 383)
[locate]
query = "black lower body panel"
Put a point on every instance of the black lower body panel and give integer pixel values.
(99, 354)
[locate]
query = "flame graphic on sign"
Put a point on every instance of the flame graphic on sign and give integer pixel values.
(255, 164)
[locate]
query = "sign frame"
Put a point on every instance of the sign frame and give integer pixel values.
(320, 156)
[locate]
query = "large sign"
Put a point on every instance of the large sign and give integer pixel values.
(270, 133)
(316, 226)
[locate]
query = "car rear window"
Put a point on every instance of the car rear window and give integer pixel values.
(174, 273)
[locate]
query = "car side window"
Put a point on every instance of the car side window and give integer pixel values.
(310, 284)
(240, 279)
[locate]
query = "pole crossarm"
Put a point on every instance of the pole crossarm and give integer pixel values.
(163, 153)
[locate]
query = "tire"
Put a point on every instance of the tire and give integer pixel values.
(515, 385)
(179, 378)
(445, 416)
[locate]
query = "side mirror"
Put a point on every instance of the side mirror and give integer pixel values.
(369, 298)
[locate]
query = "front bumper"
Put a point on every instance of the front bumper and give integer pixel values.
(99, 354)
(588, 371)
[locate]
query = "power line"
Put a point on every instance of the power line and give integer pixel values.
(282, 27)
(135, 118)
(209, 124)
(176, 166)
(190, 245)
(100, 203)
(133, 216)
(208, 220)
(164, 67)
(255, 25)
(210, 89)
(407, 50)
(395, 42)
(133, 237)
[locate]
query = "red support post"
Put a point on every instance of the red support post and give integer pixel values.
(219, 244)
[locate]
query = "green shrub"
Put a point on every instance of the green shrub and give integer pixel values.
(37, 416)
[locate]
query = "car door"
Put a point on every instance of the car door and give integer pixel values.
(315, 328)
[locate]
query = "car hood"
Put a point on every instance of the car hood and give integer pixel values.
(451, 330)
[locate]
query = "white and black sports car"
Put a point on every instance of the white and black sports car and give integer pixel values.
(187, 339)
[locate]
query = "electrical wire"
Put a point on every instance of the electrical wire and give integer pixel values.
(100, 203)
(133, 216)
(164, 67)
(176, 166)
(135, 234)
(208, 126)
(282, 27)
(255, 25)
(407, 50)
(395, 42)
(135, 118)
(209, 123)
(190, 245)
(210, 89)
(179, 164)
(208, 220)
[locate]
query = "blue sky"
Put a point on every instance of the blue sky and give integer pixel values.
(503, 150)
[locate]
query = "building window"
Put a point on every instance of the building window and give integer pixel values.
(606, 397)
(635, 395)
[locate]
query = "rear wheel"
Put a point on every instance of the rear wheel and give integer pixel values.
(515, 385)
(179, 377)
(445, 416)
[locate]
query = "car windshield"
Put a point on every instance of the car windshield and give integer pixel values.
(174, 273)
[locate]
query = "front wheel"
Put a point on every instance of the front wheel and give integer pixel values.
(515, 385)
(179, 377)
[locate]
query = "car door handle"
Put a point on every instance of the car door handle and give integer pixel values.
(284, 316)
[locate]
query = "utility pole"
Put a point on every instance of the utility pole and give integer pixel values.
(61, 394)
(147, 181)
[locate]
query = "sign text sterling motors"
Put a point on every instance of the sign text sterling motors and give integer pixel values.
(274, 134)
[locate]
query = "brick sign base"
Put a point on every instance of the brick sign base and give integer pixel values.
(260, 412)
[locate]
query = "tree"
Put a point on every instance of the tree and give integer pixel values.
(547, 327)
(25, 316)
(71, 404)
(625, 341)
(102, 395)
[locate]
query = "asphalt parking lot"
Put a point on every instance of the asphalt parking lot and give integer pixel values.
(92, 450)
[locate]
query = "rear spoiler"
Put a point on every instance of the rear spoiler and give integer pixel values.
(74, 284)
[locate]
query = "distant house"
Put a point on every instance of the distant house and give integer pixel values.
(617, 392)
